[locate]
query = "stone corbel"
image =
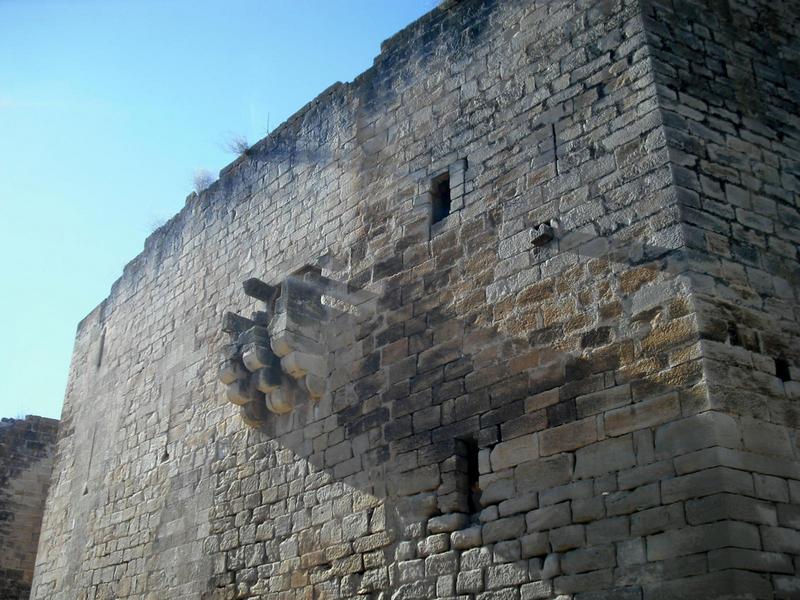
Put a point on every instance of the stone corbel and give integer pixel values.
(278, 356)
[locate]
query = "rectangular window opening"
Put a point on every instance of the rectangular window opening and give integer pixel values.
(473, 477)
(782, 369)
(440, 198)
(733, 335)
(469, 474)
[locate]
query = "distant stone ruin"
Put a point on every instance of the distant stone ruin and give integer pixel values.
(27, 449)
(513, 315)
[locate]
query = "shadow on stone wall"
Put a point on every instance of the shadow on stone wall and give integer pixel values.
(376, 473)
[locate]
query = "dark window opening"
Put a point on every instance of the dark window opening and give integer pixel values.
(469, 474)
(782, 369)
(733, 335)
(473, 477)
(440, 202)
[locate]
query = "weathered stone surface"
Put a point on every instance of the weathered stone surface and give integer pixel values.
(457, 411)
(27, 449)
(515, 451)
(543, 473)
(448, 523)
(466, 538)
(604, 457)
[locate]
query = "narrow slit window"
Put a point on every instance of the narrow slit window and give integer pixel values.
(473, 477)
(782, 369)
(733, 335)
(441, 201)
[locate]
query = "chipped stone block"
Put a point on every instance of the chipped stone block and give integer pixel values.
(448, 523)
(242, 391)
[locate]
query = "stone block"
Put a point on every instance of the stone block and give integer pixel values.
(433, 544)
(549, 517)
(445, 586)
(780, 539)
(704, 483)
(242, 391)
(702, 538)
(543, 473)
(631, 552)
(515, 451)
(623, 503)
(640, 415)
(771, 488)
(583, 582)
(448, 523)
(536, 590)
(599, 402)
(657, 519)
(749, 560)
(498, 490)
(605, 457)
(588, 559)
(230, 370)
(476, 558)
(551, 567)
(534, 544)
(520, 504)
(766, 438)
(503, 529)
(722, 584)
(585, 510)
(642, 475)
(566, 538)
(470, 582)
(441, 564)
(410, 570)
(465, 539)
(507, 575)
(507, 551)
(605, 531)
(419, 480)
(568, 437)
(697, 432)
(571, 491)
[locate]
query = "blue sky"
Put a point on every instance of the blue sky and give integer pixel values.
(106, 110)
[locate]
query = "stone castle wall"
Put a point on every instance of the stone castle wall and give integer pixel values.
(728, 77)
(27, 448)
(507, 420)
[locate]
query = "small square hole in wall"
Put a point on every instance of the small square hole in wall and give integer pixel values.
(440, 198)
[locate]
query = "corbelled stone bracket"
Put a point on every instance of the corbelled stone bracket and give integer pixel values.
(544, 233)
(278, 356)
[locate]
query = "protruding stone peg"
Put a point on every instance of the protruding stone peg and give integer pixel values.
(280, 401)
(255, 413)
(542, 235)
(242, 391)
(235, 324)
(231, 370)
(255, 288)
(283, 342)
(315, 385)
(298, 364)
(255, 335)
(268, 378)
(256, 356)
(229, 351)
